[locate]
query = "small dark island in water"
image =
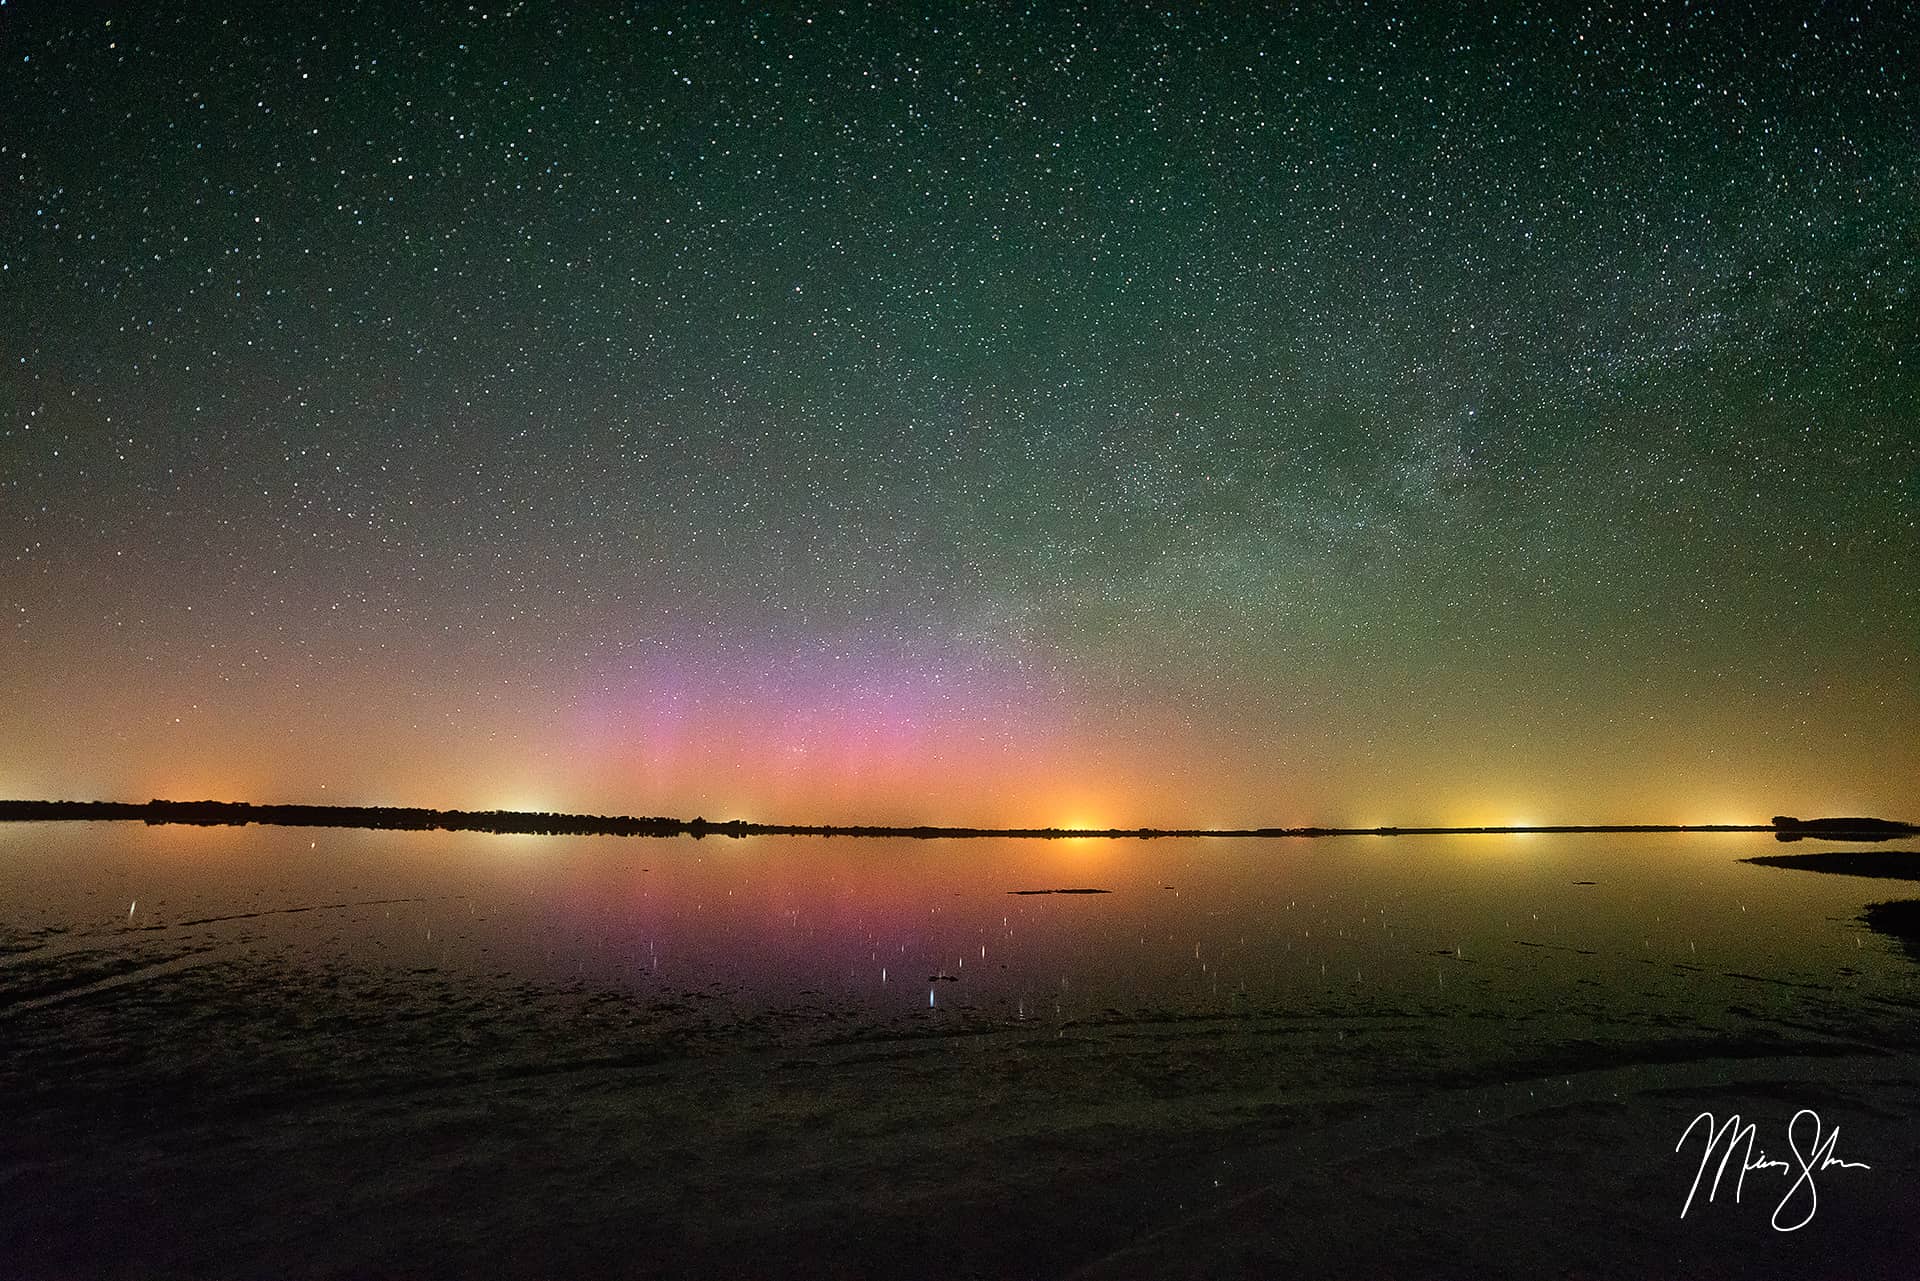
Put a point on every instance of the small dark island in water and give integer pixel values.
(1788, 828)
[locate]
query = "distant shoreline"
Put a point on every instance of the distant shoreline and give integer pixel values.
(516, 822)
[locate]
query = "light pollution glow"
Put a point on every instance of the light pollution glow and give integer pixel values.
(805, 416)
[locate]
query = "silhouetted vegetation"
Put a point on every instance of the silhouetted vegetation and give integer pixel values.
(1898, 865)
(1899, 920)
(1788, 828)
(239, 813)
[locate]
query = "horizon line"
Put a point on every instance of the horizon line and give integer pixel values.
(208, 813)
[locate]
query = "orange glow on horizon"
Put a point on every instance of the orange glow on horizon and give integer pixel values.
(1086, 776)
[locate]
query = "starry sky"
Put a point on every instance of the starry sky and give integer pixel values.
(979, 413)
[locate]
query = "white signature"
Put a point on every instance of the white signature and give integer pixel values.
(1727, 1137)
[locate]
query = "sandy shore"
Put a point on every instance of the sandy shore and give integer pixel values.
(192, 1125)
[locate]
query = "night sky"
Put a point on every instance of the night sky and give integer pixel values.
(1105, 414)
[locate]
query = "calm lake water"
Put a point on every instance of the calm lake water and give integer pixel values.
(920, 931)
(232, 993)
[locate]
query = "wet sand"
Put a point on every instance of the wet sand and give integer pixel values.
(550, 1138)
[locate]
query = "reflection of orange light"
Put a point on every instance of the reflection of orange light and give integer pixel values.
(521, 842)
(1079, 814)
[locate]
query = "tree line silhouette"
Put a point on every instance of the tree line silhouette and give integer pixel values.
(538, 823)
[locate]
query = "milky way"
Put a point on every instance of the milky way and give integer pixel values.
(1114, 413)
